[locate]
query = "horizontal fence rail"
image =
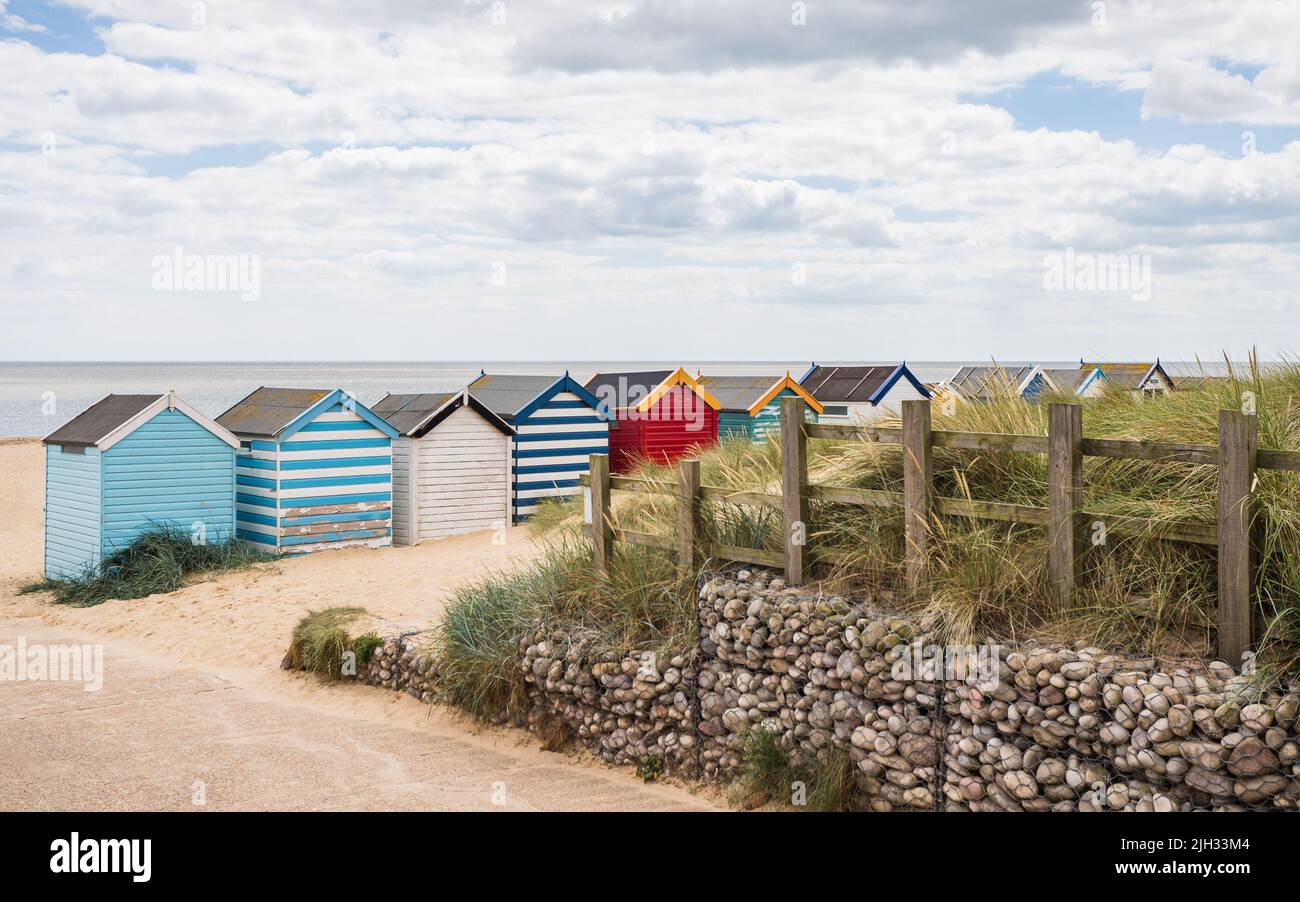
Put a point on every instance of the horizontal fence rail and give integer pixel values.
(1236, 456)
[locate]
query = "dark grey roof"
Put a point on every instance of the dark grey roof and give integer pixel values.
(1201, 381)
(268, 410)
(1066, 380)
(99, 419)
(625, 389)
(405, 412)
(507, 395)
(987, 382)
(738, 392)
(845, 383)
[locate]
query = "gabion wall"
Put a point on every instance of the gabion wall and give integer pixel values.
(1029, 729)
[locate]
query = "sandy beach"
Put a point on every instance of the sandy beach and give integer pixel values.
(201, 666)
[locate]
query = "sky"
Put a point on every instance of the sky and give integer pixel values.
(649, 180)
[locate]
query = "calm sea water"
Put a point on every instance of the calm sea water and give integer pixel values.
(37, 398)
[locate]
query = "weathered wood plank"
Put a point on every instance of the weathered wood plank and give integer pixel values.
(747, 555)
(323, 529)
(849, 495)
(994, 510)
(794, 488)
(734, 496)
(640, 484)
(688, 517)
(918, 482)
(1134, 449)
(1065, 499)
(289, 513)
(653, 540)
(991, 441)
(602, 534)
(888, 435)
(1238, 434)
(1177, 531)
(1272, 459)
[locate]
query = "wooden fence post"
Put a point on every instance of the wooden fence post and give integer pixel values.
(794, 489)
(1065, 499)
(918, 482)
(689, 552)
(1238, 438)
(602, 532)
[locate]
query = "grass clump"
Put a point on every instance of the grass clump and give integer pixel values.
(322, 639)
(639, 605)
(769, 775)
(159, 561)
(365, 645)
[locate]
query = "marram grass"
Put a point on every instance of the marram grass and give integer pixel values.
(159, 561)
(1136, 593)
(639, 605)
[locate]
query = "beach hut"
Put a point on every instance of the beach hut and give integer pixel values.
(315, 470)
(750, 406)
(859, 394)
(130, 464)
(557, 425)
(660, 415)
(1193, 383)
(985, 383)
(1065, 381)
(1142, 379)
(451, 465)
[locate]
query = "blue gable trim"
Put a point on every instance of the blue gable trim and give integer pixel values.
(808, 372)
(902, 372)
(1092, 377)
(338, 396)
(563, 384)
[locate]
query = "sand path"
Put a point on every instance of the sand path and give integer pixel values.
(194, 704)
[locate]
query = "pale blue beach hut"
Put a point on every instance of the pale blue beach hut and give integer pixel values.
(130, 464)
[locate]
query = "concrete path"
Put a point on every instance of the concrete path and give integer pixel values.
(159, 736)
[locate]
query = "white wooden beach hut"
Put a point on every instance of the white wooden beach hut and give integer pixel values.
(451, 465)
(860, 394)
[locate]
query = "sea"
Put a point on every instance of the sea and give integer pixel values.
(38, 397)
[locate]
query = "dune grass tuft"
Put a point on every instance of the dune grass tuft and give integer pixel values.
(322, 638)
(770, 776)
(639, 605)
(159, 561)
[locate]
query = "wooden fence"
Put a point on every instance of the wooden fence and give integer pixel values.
(1236, 456)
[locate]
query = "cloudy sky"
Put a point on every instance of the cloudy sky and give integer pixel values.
(649, 179)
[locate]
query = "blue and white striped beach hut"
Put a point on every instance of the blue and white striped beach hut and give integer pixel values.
(130, 464)
(558, 424)
(315, 470)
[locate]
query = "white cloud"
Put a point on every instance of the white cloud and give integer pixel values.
(642, 185)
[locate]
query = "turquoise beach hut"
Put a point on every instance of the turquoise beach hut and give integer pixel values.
(314, 470)
(130, 464)
(751, 405)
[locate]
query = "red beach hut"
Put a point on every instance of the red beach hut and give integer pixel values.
(660, 416)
